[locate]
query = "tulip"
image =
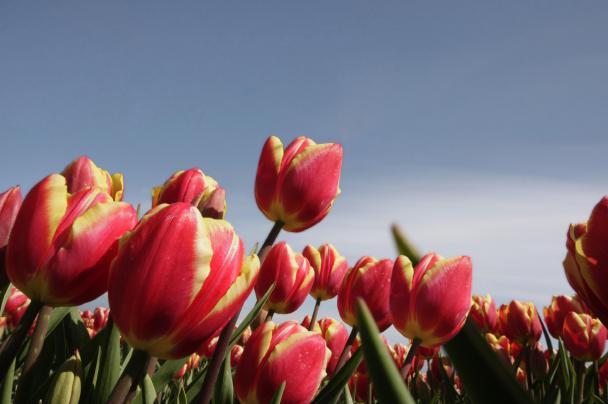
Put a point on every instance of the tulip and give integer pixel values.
(67, 382)
(10, 202)
(83, 173)
(330, 268)
(584, 336)
(62, 244)
(369, 280)
(556, 312)
(292, 276)
(483, 313)
(519, 322)
(15, 307)
(335, 336)
(287, 353)
(399, 353)
(194, 187)
(188, 272)
(297, 186)
(586, 262)
(501, 345)
(360, 385)
(430, 303)
(235, 355)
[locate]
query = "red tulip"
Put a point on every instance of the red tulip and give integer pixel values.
(586, 262)
(556, 312)
(288, 354)
(431, 302)
(83, 173)
(519, 322)
(62, 244)
(235, 355)
(483, 313)
(330, 268)
(188, 272)
(292, 275)
(584, 336)
(335, 336)
(501, 345)
(16, 305)
(10, 202)
(194, 187)
(400, 352)
(369, 280)
(297, 186)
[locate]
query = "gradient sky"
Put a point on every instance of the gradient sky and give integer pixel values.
(479, 127)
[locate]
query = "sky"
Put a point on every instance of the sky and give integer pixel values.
(479, 127)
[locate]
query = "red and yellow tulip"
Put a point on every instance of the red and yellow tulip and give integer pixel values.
(556, 312)
(483, 313)
(431, 301)
(584, 336)
(298, 185)
(330, 268)
(62, 243)
(519, 321)
(83, 173)
(335, 335)
(285, 353)
(188, 272)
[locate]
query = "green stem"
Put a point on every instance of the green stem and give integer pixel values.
(410, 357)
(269, 315)
(313, 318)
(42, 326)
(347, 348)
(132, 376)
(13, 343)
(579, 366)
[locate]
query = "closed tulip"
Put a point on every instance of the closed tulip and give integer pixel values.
(194, 187)
(292, 275)
(62, 244)
(83, 173)
(370, 280)
(556, 312)
(483, 313)
(10, 202)
(330, 268)
(584, 336)
(276, 354)
(430, 302)
(297, 186)
(519, 322)
(66, 385)
(335, 336)
(16, 305)
(501, 345)
(586, 262)
(188, 272)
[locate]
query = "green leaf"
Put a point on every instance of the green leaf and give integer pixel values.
(7, 385)
(165, 373)
(348, 399)
(387, 380)
(486, 378)
(148, 391)
(109, 370)
(6, 293)
(404, 246)
(250, 317)
(195, 386)
(224, 391)
(278, 395)
(333, 389)
(57, 316)
(182, 398)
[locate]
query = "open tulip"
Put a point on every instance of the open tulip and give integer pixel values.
(10, 202)
(292, 276)
(297, 186)
(556, 312)
(584, 336)
(62, 244)
(288, 354)
(194, 187)
(330, 268)
(430, 302)
(188, 272)
(335, 336)
(519, 322)
(83, 173)
(586, 262)
(369, 280)
(483, 313)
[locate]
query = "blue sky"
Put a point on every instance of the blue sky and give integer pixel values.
(480, 127)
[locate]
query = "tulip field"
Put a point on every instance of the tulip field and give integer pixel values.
(177, 276)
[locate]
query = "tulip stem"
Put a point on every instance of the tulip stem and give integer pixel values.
(213, 369)
(313, 319)
(13, 343)
(269, 316)
(579, 366)
(131, 377)
(347, 347)
(42, 326)
(410, 357)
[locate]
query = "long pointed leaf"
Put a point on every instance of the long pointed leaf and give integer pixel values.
(224, 391)
(250, 317)
(109, 371)
(148, 391)
(7, 385)
(278, 395)
(334, 388)
(404, 246)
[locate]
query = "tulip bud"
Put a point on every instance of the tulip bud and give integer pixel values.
(369, 280)
(501, 345)
(16, 305)
(66, 384)
(330, 268)
(335, 336)
(292, 275)
(431, 301)
(194, 187)
(235, 355)
(584, 336)
(399, 353)
(297, 186)
(10, 202)
(288, 354)
(83, 173)
(556, 312)
(586, 262)
(62, 244)
(519, 322)
(483, 313)
(100, 318)
(189, 273)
